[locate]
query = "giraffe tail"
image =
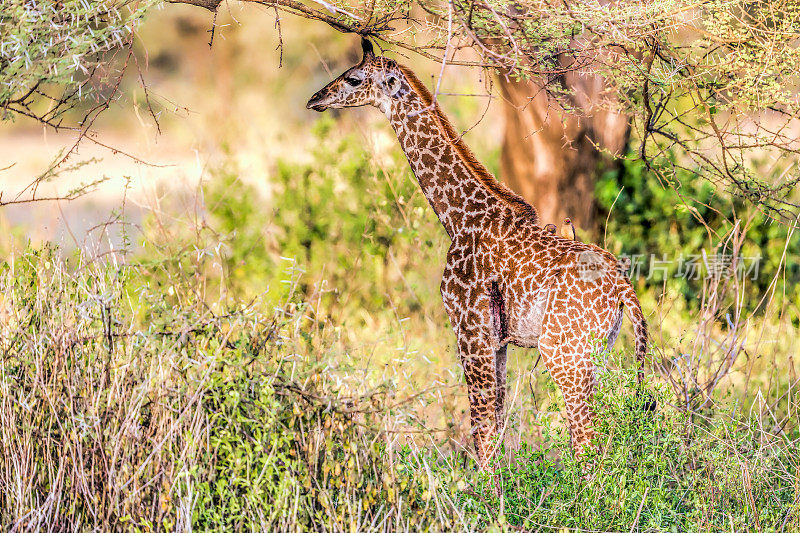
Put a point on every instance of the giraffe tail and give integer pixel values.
(631, 303)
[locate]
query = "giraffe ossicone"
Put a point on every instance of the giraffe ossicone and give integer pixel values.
(505, 280)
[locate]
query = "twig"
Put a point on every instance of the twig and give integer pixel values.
(639, 512)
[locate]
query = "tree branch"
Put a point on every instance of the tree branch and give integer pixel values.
(211, 5)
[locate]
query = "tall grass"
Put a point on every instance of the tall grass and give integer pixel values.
(289, 368)
(126, 405)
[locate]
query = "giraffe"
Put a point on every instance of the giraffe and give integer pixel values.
(505, 280)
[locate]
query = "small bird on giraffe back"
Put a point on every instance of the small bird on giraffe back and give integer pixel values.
(550, 229)
(568, 230)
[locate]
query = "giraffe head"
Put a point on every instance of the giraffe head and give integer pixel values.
(376, 81)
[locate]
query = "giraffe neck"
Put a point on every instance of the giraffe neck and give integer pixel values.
(459, 189)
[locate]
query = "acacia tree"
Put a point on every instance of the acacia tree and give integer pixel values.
(707, 85)
(62, 64)
(723, 64)
(551, 152)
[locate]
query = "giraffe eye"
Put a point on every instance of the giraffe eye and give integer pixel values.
(353, 82)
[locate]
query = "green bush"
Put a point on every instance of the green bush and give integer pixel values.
(679, 220)
(657, 471)
(360, 228)
(128, 408)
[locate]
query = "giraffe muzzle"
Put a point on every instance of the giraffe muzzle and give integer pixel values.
(317, 102)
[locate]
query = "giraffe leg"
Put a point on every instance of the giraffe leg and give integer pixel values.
(571, 367)
(611, 338)
(467, 299)
(500, 358)
(613, 333)
(478, 360)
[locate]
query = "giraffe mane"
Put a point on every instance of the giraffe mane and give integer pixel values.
(495, 187)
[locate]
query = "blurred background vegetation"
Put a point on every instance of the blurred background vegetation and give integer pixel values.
(239, 323)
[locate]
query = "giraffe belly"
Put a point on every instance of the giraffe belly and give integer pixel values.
(613, 331)
(525, 326)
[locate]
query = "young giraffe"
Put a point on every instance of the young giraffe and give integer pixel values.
(506, 280)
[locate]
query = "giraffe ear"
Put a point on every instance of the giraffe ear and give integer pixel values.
(366, 48)
(392, 85)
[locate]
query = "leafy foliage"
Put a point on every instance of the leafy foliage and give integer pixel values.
(362, 224)
(660, 471)
(51, 48)
(681, 227)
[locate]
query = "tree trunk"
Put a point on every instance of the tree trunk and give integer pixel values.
(551, 156)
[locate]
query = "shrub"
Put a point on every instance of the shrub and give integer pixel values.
(641, 213)
(183, 417)
(360, 223)
(125, 407)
